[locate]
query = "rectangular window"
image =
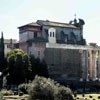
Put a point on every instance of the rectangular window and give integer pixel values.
(53, 34)
(31, 35)
(35, 34)
(30, 43)
(76, 37)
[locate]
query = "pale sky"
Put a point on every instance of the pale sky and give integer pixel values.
(14, 13)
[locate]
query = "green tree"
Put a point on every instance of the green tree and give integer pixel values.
(47, 89)
(39, 67)
(18, 65)
(1, 52)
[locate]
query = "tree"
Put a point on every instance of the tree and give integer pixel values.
(39, 67)
(1, 53)
(18, 65)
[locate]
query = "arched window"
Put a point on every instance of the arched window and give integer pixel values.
(52, 35)
(62, 35)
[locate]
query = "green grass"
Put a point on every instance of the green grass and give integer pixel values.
(94, 97)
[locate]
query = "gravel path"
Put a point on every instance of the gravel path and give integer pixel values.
(24, 97)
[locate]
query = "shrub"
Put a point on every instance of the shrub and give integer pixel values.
(41, 89)
(7, 92)
(47, 89)
(24, 88)
(1, 96)
(63, 94)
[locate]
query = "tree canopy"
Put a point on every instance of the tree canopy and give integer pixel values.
(18, 65)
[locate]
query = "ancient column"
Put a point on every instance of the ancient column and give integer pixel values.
(94, 65)
(98, 69)
(90, 64)
(84, 60)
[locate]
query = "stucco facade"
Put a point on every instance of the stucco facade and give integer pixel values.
(34, 36)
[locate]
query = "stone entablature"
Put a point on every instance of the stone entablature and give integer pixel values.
(84, 60)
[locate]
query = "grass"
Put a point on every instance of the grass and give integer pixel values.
(88, 96)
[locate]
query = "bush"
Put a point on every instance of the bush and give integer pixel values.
(41, 89)
(47, 89)
(63, 93)
(1, 96)
(6, 92)
(24, 88)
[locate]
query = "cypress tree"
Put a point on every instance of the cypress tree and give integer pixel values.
(1, 52)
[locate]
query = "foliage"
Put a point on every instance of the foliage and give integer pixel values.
(38, 67)
(63, 94)
(47, 89)
(1, 96)
(18, 65)
(6, 92)
(24, 87)
(2, 63)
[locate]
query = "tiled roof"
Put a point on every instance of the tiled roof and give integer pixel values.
(49, 23)
(30, 24)
(33, 24)
(55, 24)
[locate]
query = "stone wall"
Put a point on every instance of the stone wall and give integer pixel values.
(63, 64)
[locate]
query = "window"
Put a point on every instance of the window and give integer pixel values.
(53, 34)
(66, 38)
(35, 34)
(30, 43)
(50, 34)
(76, 37)
(31, 35)
(62, 35)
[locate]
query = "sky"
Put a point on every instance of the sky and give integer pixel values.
(15, 13)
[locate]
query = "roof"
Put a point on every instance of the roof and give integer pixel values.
(50, 23)
(7, 41)
(55, 24)
(30, 24)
